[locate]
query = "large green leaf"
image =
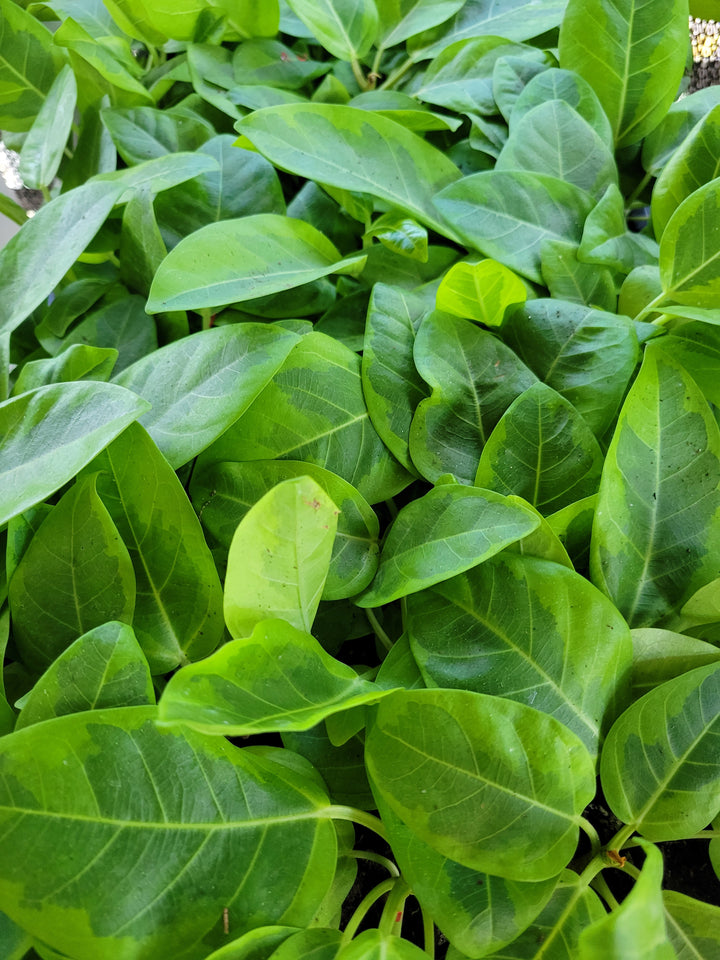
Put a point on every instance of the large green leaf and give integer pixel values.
(28, 65)
(659, 767)
(697, 347)
(105, 667)
(690, 249)
(329, 426)
(178, 605)
(587, 355)
(632, 54)
(49, 434)
(76, 574)
(656, 532)
(481, 291)
(528, 630)
(36, 259)
(376, 945)
(693, 927)
(355, 150)
(572, 89)
(145, 133)
(506, 214)
(661, 655)
(277, 679)
(346, 28)
(450, 529)
(241, 259)
(569, 278)
(636, 929)
(224, 492)
(147, 871)
(156, 22)
(279, 557)
(489, 783)
(542, 450)
(402, 19)
(474, 379)
(201, 384)
(676, 125)
(43, 148)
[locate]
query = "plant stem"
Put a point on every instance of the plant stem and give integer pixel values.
(359, 75)
(376, 858)
(701, 835)
(376, 62)
(599, 884)
(361, 817)
(378, 630)
(591, 832)
(362, 908)
(392, 915)
(621, 838)
(650, 308)
(428, 934)
(397, 74)
(638, 190)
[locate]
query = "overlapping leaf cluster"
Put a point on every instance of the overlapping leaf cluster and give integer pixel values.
(343, 411)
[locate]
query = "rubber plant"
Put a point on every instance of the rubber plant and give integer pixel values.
(359, 481)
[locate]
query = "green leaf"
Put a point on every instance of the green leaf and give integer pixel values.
(346, 28)
(224, 492)
(400, 234)
(78, 362)
(277, 679)
(121, 325)
(554, 139)
(28, 65)
(636, 929)
(49, 434)
(569, 278)
(105, 667)
(235, 260)
(677, 124)
(36, 259)
(633, 56)
(178, 606)
(690, 250)
(279, 557)
(693, 927)
(342, 768)
(250, 18)
(659, 766)
(532, 631)
(75, 575)
(606, 239)
(159, 174)
(331, 427)
(43, 148)
(433, 538)
(480, 291)
(655, 539)
(543, 542)
(144, 133)
(511, 74)
(201, 384)
(256, 944)
(474, 379)
(487, 782)
(587, 355)
(541, 449)
(697, 347)
(661, 655)
(319, 943)
(154, 22)
(355, 150)
(572, 89)
(506, 214)
(376, 945)
(402, 19)
(137, 859)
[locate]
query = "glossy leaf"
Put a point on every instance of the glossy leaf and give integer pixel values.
(485, 781)
(159, 174)
(511, 74)
(317, 943)
(654, 542)
(346, 28)
(28, 65)
(376, 945)
(569, 87)
(633, 56)
(224, 492)
(528, 630)
(402, 235)
(606, 239)
(450, 529)
(697, 347)
(543, 542)
(50, 433)
(242, 801)
(690, 251)
(675, 126)
(105, 667)
(693, 927)
(342, 768)
(78, 362)
(569, 278)
(43, 148)
(145, 133)
(661, 655)
(506, 214)
(480, 291)
(637, 927)
(542, 450)
(201, 384)
(278, 679)
(279, 557)
(659, 765)
(355, 150)
(178, 605)
(75, 575)
(402, 19)
(276, 253)
(331, 427)
(122, 326)
(474, 379)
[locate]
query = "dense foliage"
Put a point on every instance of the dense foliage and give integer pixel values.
(377, 442)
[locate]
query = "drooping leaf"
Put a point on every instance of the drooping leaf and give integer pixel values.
(528, 630)
(43, 148)
(480, 291)
(346, 28)
(661, 655)
(659, 766)
(402, 19)
(276, 680)
(201, 384)
(48, 434)
(105, 667)
(148, 871)
(690, 249)
(279, 557)
(450, 529)
(654, 537)
(76, 574)
(490, 783)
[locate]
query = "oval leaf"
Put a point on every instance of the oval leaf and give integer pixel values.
(480, 291)
(690, 249)
(346, 28)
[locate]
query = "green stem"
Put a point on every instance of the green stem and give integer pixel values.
(398, 74)
(620, 840)
(592, 835)
(428, 934)
(340, 812)
(378, 630)
(359, 75)
(376, 858)
(632, 870)
(650, 308)
(392, 915)
(46, 194)
(376, 62)
(207, 314)
(600, 886)
(701, 835)
(392, 509)
(362, 908)
(638, 190)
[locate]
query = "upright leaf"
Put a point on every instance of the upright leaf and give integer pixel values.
(75, 575)
(655, 538)
(346, 28)
(28, 65)
(402, 19)
(279, 558)
(43, 148)
(690, 249)
(633, 55)
(572, 89)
